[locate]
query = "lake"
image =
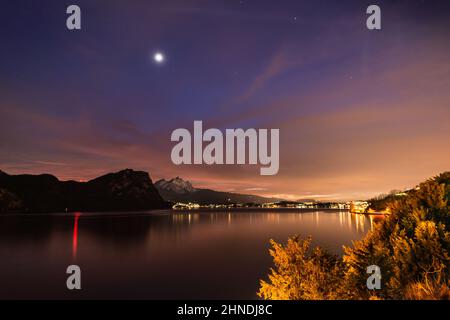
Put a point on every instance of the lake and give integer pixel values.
(159, 254)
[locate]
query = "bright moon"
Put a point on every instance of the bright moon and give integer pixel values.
(158, 57)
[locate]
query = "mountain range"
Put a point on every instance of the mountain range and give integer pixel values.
(179, 190)
(126, 190)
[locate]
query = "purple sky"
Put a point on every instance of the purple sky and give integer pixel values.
(360, 112)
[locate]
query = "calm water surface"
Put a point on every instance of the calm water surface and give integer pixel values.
(160, 254)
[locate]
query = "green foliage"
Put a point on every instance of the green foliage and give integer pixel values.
(411, 247)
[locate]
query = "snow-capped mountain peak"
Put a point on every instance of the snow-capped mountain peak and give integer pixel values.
(176, 185)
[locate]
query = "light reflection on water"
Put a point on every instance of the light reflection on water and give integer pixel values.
(162, 254)
(353, 221)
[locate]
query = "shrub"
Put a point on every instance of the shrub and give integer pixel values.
(411, 247)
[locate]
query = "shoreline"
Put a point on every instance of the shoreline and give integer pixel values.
(181, 211)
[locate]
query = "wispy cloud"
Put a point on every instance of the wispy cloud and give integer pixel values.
(50, 163)
(255, 189)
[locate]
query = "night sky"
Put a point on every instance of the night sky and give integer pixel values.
(360, 112)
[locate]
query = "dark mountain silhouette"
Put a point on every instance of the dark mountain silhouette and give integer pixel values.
(179, 190)
(127, 190)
